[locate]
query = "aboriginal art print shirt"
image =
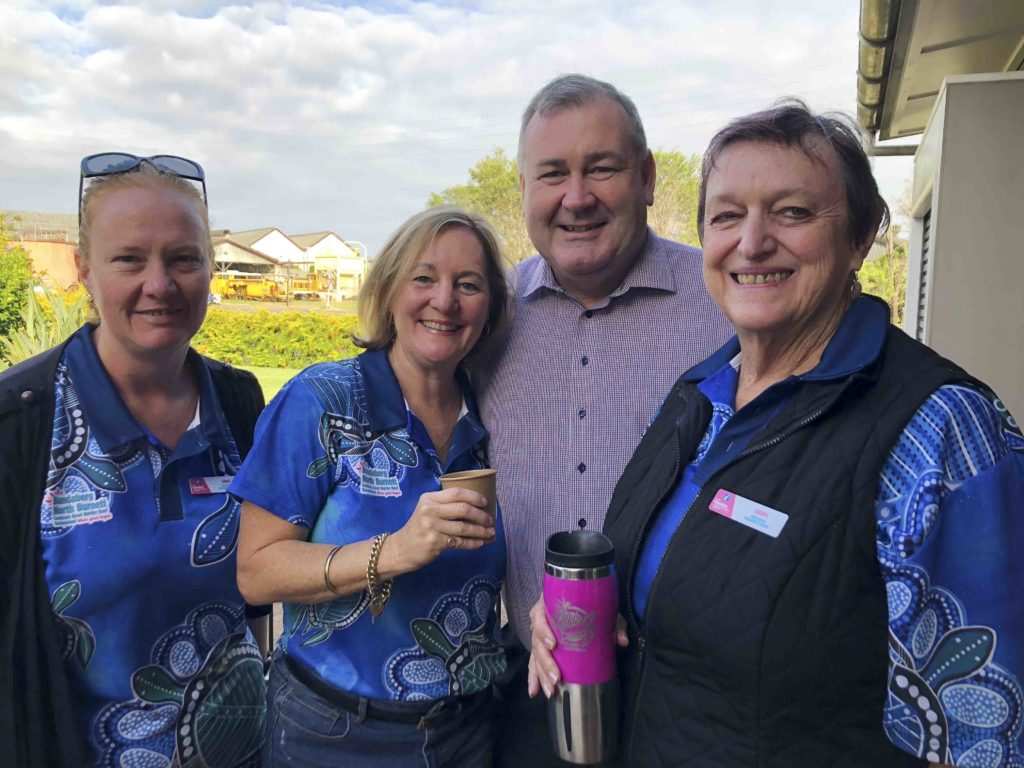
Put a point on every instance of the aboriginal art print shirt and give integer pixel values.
(950, 523)
(138, 543)
(339, 453)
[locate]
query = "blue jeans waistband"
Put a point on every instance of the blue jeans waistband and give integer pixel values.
(425, 714)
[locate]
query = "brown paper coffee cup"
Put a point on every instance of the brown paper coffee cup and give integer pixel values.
(479, 480)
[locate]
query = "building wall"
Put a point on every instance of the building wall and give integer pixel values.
(348, 271)
(331, 245)
(230, 256)
(56, 259)
(332, 253)
(969, 173)
(279, 246)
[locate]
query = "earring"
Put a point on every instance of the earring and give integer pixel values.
(855, 286)
(486, 331)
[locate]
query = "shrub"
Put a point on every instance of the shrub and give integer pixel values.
(275, 339)
(49, 317)
(15, 278)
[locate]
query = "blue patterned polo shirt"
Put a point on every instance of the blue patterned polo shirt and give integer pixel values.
(338, 452)
(140, 567)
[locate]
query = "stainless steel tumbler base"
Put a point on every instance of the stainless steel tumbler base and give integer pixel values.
(583, 720)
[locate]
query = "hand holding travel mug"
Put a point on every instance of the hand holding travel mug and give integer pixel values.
(581, 600)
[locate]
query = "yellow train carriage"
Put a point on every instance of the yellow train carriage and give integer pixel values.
(252, 286)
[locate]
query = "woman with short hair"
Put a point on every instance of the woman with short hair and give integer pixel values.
(125, 639)
(389, 583)
(817, 536)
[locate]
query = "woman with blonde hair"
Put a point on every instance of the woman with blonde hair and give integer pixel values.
(125, 639)
(389, 583)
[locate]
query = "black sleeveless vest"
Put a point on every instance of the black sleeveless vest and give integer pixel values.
(759, 651)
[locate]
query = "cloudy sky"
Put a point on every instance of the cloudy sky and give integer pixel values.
(345, 116)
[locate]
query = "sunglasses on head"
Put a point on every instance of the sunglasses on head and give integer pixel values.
(113, 163)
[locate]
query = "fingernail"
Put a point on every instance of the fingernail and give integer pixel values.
(549, 643)
(547, 689)
(553, 676)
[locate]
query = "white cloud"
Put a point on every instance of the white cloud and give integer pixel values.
(312, 116)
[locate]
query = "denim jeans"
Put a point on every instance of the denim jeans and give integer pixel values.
(304, 729)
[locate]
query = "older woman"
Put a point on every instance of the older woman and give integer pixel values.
(814, 538)
(389, 583)
(124, 635)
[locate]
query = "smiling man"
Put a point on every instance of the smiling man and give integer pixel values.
(608, 315)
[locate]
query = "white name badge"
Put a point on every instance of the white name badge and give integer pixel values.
(749, 513)
(204, 486)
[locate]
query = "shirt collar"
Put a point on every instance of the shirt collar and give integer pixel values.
(110, 421)
(213, 424)
(856, 344)
(386, 409)
(652, 270)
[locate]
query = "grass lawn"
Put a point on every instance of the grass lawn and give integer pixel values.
(271, 379)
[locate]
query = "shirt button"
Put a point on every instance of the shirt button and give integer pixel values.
(589, 313)
(582, 412)
(582, 523)
(585, 360)
(29, 396)
(582, 467)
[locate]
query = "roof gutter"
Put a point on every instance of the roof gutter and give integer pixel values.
(878, 22)
(877, 32)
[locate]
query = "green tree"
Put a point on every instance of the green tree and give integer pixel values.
(493, 191)
(674, 213)
(886, 277)
(15, 277)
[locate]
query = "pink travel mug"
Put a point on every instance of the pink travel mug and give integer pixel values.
(581, 599)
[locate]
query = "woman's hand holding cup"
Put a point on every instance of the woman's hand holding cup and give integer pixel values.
(482, 481)
(454, 518)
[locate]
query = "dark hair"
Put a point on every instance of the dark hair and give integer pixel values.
(791, 123)
(574, 91)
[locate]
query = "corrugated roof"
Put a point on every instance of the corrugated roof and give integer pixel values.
(43, 226)
(250, 236)
(309, 240)
(230, 240)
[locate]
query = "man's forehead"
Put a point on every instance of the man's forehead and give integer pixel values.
(602, 123)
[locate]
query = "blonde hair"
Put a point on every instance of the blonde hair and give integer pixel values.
(145, 175)
(398, 259)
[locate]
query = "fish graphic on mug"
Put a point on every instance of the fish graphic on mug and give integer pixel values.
(575, 626)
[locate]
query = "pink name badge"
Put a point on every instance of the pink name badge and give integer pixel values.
(749, 513)
(204, 486)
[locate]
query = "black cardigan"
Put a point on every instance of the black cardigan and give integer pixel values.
(38, 727)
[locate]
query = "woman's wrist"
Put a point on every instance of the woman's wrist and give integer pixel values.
(392, 558)
(328, 582)
(378, 588)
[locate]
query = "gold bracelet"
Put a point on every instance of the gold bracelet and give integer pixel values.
(379, 592)
(327, 569)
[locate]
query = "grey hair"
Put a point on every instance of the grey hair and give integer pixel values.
(576, 90)
(791, 123)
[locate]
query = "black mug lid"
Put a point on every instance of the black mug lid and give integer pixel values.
(579, 549)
